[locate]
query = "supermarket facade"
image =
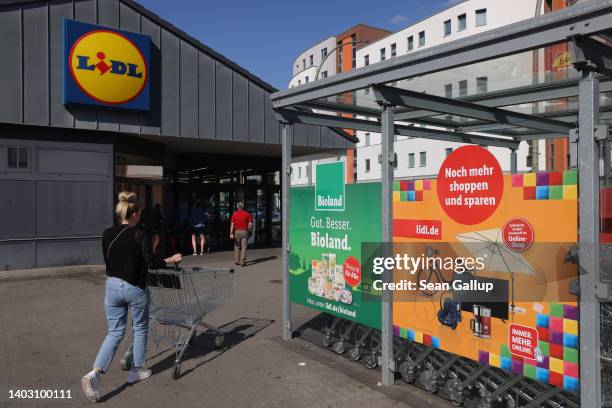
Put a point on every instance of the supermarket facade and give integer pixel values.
(103, 95)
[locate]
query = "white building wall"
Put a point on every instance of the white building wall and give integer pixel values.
(303, 69)
(304, 169)
(501, 74)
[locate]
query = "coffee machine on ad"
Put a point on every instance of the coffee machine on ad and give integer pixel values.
(481, 323)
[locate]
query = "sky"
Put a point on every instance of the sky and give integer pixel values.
(265, 36)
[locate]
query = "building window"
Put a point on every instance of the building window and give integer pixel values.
(299, 172)
(393, 50)
(367, 165)
(354, 51)
(324, 74)
(448, 90)
(367, 139)
(299, 82)
(17, 157)
(311, 60)
(306, 79)
(482, 84)
(481, 17)
(447, 28)
(463, 89)
(383, 52)
(380, 159)
(421, 38)
(461, 22)
(323, 54)
(423, 159)
(448, 151)
(304, 63)
(410, 43)
(411, 160)
(366, 60)
(340, 58)
(552, 156)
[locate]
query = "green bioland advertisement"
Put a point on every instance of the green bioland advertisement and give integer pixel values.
(326, 232)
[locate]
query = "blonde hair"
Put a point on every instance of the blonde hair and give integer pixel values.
(127, 205)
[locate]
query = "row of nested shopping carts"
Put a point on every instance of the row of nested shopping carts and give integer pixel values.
(606, 353)
(462, 381)
(180, 300)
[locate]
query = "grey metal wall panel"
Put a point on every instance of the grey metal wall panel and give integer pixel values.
(57, 12)
(240, 110)
(57, 214)
(300, 134)
(206, 97)
(68, 161)
(59, 253)
(150, 121)
(85, 118)
(314, 136)
(17, 255)
(272, 127)
(223, 96)
(327, 136)
(339, 141)
(129, 20)
(17, 209)
(10, 66)
(256, 113)
(189, 91)
(171, 83)
(35, 65)
(108, 15)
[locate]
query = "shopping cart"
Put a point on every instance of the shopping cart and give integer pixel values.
(180, 299)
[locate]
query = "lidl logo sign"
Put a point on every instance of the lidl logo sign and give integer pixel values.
(329, 187)
(105, 67)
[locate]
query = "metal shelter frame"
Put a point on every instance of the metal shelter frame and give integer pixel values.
(587, 28)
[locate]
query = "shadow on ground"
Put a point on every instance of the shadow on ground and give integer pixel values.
(235, 332)
(259, 260)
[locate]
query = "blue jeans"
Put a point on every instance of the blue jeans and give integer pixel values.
(119, 296)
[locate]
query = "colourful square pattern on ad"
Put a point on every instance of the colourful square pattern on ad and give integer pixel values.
(558, 344)
(419, 337)
(555, 185)
(410, 190)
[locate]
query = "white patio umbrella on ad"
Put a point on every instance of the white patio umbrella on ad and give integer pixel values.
(489, 245)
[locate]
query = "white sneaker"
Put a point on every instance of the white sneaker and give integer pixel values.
(90, 382)
(138, 374)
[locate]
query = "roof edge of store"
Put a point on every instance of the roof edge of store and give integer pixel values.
(175, 30)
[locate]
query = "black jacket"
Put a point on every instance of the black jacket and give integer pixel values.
(129, 256)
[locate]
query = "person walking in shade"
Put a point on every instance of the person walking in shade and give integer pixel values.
(128, 257)
(240, 228)
(197, 221)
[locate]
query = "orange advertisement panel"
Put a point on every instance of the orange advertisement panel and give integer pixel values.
(523, 225)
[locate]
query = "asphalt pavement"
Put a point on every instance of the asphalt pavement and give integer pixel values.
(51, 327)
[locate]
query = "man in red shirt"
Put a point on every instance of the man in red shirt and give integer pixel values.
(240, 228)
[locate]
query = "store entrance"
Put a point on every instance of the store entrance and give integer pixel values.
(218, 183)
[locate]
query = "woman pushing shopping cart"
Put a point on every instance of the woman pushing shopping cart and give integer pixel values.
(128, 256)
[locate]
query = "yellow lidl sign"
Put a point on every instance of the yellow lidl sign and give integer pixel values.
(106, 67)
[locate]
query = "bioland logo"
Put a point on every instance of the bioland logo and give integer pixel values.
(329, 187)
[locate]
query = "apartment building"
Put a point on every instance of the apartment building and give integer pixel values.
(419, 157)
